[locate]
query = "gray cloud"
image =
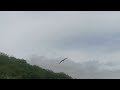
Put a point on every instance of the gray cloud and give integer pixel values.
(79, 35)
(86, 70)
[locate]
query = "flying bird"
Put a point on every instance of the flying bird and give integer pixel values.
(62, 60)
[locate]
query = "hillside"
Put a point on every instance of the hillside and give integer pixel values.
(13, 68)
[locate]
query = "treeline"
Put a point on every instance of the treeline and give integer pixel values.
(13, 68)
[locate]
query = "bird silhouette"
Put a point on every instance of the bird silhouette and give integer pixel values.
(62, 60)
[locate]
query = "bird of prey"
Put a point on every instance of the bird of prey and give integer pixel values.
(62, 60)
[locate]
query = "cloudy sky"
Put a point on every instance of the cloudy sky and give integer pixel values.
(78, 35)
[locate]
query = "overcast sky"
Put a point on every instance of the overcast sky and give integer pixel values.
(79, 35)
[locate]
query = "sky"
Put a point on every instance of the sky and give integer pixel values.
(79, 35)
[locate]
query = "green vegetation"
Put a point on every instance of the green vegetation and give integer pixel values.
(13, 68)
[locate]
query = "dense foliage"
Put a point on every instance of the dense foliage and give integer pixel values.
(13, 68)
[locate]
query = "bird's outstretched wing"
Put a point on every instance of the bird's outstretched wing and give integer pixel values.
(60, 61)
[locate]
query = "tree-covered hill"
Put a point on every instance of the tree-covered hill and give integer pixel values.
(13, 68)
